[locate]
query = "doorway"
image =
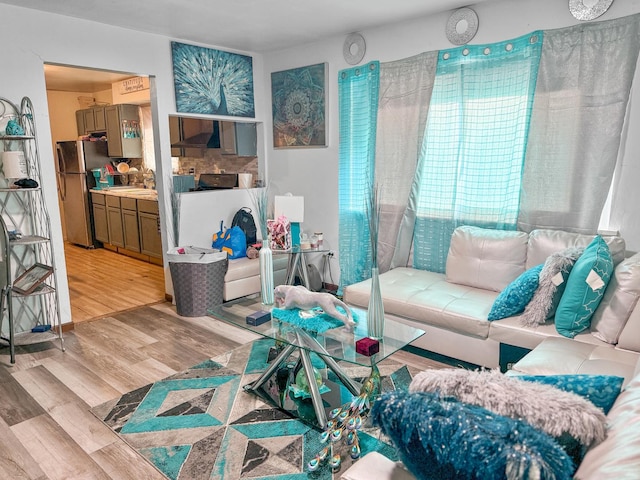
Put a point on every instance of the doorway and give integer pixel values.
(102, 281)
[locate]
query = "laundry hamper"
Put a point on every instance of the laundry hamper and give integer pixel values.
(197, 275)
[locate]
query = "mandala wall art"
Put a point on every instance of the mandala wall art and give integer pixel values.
(212, 81)
(298, 100)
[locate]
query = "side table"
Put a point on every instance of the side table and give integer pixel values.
(297, 264)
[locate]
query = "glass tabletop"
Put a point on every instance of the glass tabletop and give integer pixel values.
(299, 249)
(337, 343)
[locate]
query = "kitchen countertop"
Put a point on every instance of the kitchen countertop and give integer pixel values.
(130, 192)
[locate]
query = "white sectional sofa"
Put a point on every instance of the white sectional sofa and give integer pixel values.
(453, 308)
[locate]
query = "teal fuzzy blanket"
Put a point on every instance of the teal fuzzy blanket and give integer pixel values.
(314, 320)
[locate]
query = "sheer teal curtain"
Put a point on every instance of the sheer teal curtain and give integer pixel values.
(490, 155)
(405, 93)
(471, 163)
(358, 90)
(582, 93)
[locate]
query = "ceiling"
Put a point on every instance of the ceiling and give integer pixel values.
(69, 79)
(246, 25)
(249, 25)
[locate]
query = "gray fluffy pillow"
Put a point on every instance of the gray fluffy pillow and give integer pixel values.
(551, 284)
(548, 408)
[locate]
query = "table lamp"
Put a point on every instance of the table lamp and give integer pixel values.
(291, 207)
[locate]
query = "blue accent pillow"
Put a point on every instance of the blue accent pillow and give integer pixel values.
(515, 297)
(440, 438)
(586, 284)
(601, 390)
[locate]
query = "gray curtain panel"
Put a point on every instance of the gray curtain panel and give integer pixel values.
(581, 98)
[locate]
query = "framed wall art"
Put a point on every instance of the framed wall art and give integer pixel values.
(212, 81)
(32, 278)
(299, 100)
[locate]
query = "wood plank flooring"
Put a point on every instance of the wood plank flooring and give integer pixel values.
(46, 428)
(102, 282)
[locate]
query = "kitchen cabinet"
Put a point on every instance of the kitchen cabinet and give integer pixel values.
(123, 131)
(228, 138)
(114, 221)
(130, 224)
(174, 136)
(100, 223)
(149, 224)
(91, 120)
(99, 119)
(82, 130)
(246, 139)
(238, 139)
(189, 136)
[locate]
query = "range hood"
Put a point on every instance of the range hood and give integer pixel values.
(200, 140)
(203, 139)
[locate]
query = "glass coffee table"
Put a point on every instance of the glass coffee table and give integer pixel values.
(332, 348)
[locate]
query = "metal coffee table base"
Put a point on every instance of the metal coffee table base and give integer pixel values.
(353, 386)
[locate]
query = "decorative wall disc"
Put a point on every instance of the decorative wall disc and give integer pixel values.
(462, 26)
(354, 48)
(583, 12)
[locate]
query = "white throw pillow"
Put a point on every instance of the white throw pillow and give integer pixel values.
(620, 298)
(486, 258)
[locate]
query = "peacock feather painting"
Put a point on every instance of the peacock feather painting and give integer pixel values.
(212, 81)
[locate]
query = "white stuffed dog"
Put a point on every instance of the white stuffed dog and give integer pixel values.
(289, 296)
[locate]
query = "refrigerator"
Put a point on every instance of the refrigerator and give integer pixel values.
(76, 159)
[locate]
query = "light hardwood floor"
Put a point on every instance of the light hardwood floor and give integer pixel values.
(46, 428)
(102, 282)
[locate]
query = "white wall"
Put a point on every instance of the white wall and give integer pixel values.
(314, 172)
(202, 212)
(31, 38)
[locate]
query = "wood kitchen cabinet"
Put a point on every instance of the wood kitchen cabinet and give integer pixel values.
(114, 221)
(130, 224)
(228, 138)
(100, 222)
(91, 120)
(190, 136)
(238, 138)
(123, 131)
(82, 130)
(149, 224)
(246, 139)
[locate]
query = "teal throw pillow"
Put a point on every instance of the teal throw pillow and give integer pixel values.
(601, 390)
(515, 297)
(586, 284)
(441, 438)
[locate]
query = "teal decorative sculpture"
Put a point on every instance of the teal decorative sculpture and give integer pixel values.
(345, 423)
(14, 128)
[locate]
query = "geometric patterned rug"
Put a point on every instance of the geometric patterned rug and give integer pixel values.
(201, 424)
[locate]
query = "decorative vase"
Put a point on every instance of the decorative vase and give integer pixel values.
(375, 316)
(266, 274)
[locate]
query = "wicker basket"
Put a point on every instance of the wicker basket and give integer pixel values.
(197, 287)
